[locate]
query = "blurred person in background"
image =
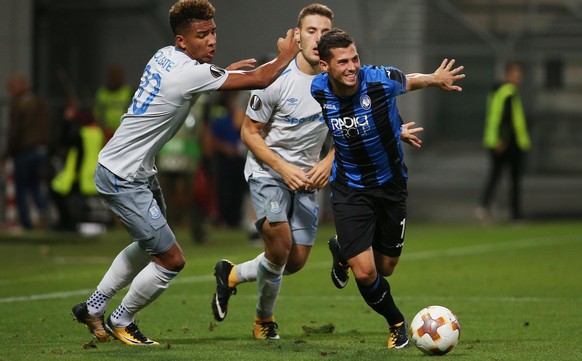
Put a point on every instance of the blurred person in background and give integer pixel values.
(228, 155)
(111, 101)
(125, 177)
(79, 144)
(30, 137)
(506, 139)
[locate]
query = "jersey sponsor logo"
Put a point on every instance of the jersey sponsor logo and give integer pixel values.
(275, 208)
(255, 103)
(349, 127)
(365, 101)
(155, 212)
(216, 71)
(310, 118)
(329, 106)
(293, 101)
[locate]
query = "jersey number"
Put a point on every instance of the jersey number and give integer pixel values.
(148, 78)
(403, 224)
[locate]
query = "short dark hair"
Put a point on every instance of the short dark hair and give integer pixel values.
(314, 9)
(184, 12)
(334, 38)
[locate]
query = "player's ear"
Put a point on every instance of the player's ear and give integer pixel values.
(180, 42)
(323, 66)
(296, 33)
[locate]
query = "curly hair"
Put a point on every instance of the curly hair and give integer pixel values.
(314, 9)
(183, 12)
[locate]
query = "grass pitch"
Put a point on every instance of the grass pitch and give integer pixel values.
(516, 290)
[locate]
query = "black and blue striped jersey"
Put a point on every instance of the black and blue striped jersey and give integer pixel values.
(365, 127)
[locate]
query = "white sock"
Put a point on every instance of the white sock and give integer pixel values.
(128, 263)
(97, 303)
(247, 271)
(145, 288)
(269, 277)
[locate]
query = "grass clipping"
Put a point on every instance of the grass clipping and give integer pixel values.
(327, 328)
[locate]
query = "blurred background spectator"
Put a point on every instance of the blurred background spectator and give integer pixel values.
(30, 137)
(72, 187)
(229, 155)
(111, 101)
(507, 140)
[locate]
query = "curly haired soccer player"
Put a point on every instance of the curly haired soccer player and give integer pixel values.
(172, 81)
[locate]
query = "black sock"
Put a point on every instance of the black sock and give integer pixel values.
(378, 297)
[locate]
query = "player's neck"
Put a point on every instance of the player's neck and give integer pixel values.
(342, 90)
(305, 66)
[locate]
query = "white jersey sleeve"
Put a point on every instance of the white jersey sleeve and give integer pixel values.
(170, 85)
(263, 104)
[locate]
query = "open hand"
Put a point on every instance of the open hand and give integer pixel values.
(407, 134)
(445, 76)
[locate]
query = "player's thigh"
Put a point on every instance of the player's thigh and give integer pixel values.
(355, 220)
(134, 203)
(390, 210)
(303, 218)
(271, 199)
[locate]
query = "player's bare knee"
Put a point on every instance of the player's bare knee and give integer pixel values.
(387, 271)
(365, 277)
(293, 267)
(179, 263)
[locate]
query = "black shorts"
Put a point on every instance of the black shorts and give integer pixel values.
(374, 217)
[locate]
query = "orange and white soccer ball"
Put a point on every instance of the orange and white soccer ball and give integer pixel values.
(435, 330)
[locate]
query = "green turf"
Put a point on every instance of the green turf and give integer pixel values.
(516, 290)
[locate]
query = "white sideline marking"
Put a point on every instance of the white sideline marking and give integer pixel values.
(46, 296)
(478, 249)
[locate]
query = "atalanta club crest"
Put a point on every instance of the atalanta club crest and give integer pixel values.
(365, 102)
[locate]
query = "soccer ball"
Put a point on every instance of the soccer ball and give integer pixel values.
(435, 330)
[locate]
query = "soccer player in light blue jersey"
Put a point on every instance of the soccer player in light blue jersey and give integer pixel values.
(368, 181)
(125, 177)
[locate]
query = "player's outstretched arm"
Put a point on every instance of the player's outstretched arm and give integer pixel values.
(444, 77)
(265, 74)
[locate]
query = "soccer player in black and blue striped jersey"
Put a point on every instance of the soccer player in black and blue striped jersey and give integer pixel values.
(369, 177)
